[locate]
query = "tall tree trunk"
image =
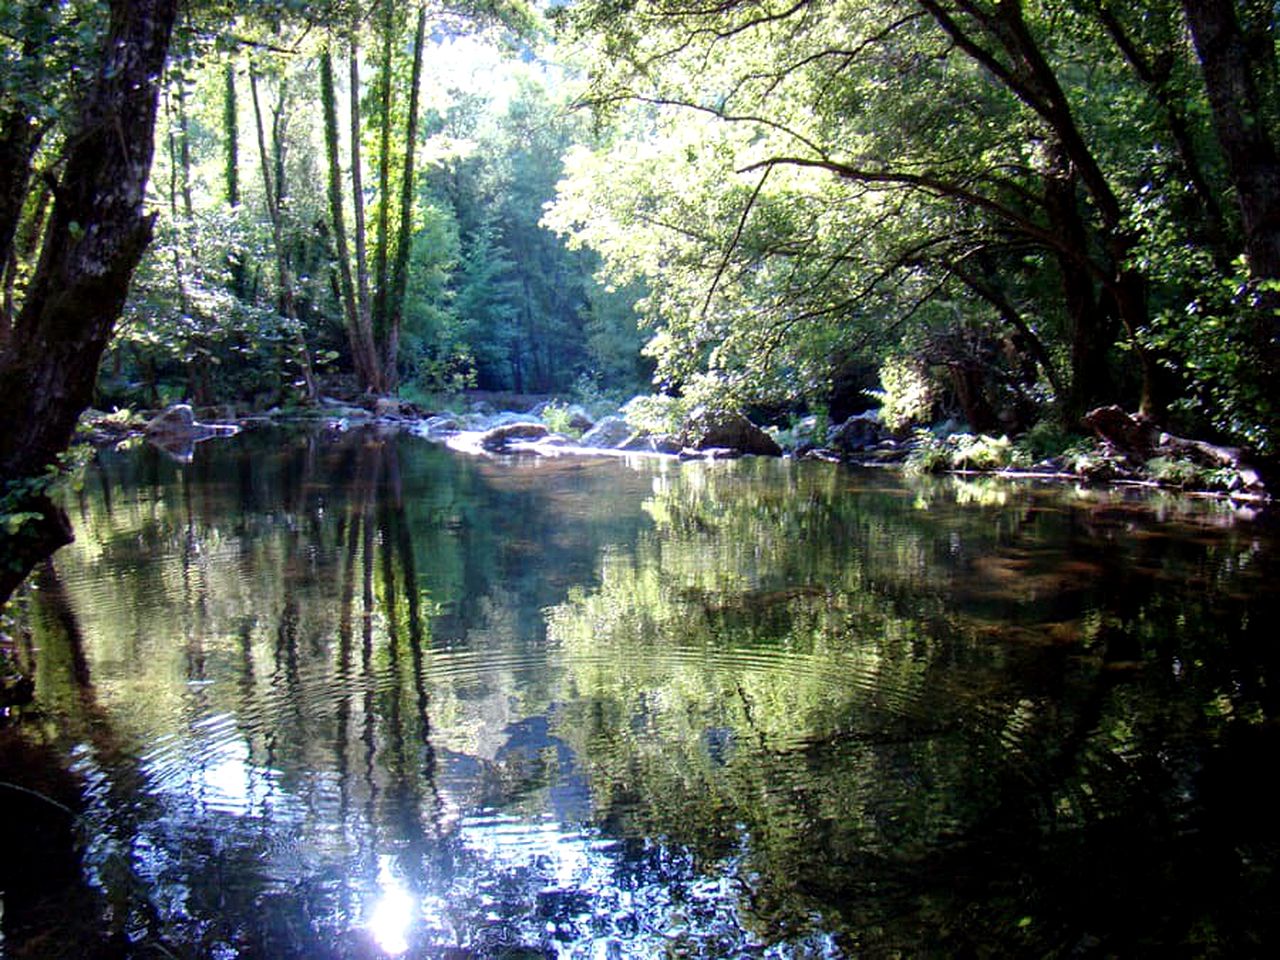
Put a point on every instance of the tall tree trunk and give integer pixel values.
(381, 251)
(357, 196)
(404, 237)
(179, 271)
(359, 336)
(1240, 122)
(1090, 331)
(1233, 63)
(96, 235)
(274, 189)
(231, 170)
(230, 136)
(184, 151)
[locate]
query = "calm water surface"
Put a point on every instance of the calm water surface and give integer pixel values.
(351, 696)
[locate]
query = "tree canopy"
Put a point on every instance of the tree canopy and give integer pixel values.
(1047, 200)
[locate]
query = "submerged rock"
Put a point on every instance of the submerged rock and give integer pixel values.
(651, 443)
(179, 418)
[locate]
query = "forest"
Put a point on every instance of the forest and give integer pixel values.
(1007, 213)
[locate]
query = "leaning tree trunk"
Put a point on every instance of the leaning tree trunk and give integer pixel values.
(95, 238)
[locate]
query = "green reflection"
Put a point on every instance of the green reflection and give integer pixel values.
(701, 708)
(844, 698)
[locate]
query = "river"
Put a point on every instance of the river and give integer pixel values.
(352, 695)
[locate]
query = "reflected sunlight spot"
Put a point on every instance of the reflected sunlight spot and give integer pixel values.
(392, 914)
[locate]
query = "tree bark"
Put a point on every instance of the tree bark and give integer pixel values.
(357, 195)
(404, 237)
(1231, 66)
(231, 171)
(1240, 124)
(360, 338)
(382, 242)
(96, 235)
(274, 188)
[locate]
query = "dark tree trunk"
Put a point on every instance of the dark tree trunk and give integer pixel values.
(1090, 331)
(1240, 124)
(1239, 75)
(94, 240)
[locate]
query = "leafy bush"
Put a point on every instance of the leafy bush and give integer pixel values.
(556, 416)
(960, 451)
(929, 455)
(1048, 439)
(1187, 474)
(982, 452)
(907, 395)
(656, 413)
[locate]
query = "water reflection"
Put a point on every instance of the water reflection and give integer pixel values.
(351, 696)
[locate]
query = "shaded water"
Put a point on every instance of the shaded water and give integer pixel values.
(351, 696)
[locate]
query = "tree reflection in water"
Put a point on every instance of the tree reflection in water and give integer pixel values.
(348, 695)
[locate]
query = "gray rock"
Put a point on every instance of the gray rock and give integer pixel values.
(507, 418)
(651, 443)
(579, 419)
(710, 453)
(392, 408)
(862, 431)
(497, 439)
(609, 432)
(176, 431)
(439, 424)
(705, 429)
(178, 419)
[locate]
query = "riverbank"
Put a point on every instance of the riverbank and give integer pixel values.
(1124, 450)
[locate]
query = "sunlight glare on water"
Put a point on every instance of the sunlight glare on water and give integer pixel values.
(393, 913)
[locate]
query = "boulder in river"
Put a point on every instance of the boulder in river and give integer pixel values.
(651, 443)
(862, 431)
(707, 429)
(498, 439)
(610, 432)
(176, 431)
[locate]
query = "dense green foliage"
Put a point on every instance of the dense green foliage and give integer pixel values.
(285, 252)
(999, 211)
(1037, 200)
